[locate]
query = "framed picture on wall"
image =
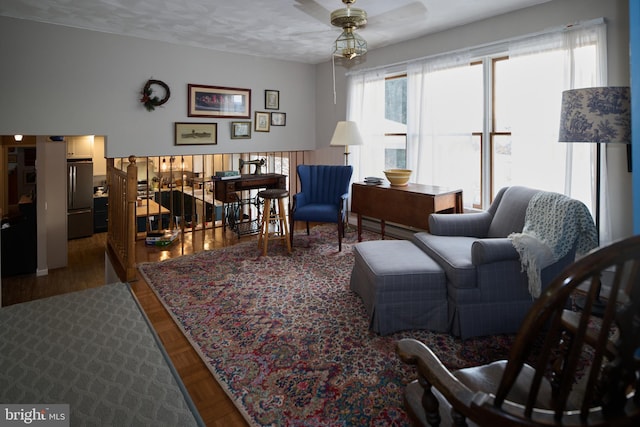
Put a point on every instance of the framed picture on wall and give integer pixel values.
(278, 119)
(217, 101)
(196, 133)
(263, 121)
(271, 99)
(240, 130)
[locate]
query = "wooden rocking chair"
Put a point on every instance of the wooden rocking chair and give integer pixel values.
(566, 367)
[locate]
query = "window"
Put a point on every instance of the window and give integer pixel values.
(395, 122)
(527, 99)
(482, 123)
(445, 126)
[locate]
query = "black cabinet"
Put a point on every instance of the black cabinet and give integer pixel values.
(100, 214)
(164, 198)
(185, 205)
(19, 243)
(182, 206)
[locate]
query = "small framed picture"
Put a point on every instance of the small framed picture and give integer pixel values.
(278, 119)
(240, 130)
(263, 121)
(196, 133)
(271, 99)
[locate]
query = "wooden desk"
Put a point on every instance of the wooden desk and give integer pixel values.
(225, 189)
(410, 205)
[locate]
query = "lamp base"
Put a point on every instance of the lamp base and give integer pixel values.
(346, 156)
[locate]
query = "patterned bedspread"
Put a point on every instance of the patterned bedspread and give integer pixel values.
(96, 351)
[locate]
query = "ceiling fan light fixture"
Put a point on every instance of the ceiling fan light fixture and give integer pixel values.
(350, 44)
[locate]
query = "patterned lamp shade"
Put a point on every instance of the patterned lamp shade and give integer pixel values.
(596, 115)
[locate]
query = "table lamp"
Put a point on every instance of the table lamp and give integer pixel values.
(346, 134)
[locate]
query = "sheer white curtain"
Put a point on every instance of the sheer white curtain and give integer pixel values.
(365, 106)
(444, 104)
(542, 67)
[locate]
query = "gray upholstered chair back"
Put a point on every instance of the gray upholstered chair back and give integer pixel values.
(508, 210)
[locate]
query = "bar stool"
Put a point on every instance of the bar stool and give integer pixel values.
(281, 231)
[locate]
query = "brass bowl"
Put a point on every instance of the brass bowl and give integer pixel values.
(398, 177)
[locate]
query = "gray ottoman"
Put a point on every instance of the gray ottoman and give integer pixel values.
(401, 287)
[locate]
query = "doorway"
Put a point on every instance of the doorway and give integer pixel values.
(19, 218)
(21, 171)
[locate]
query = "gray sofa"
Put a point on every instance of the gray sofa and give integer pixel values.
(487, 291)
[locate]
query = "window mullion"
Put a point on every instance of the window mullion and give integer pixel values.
(487, 169)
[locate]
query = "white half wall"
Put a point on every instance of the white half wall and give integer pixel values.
(66, 81)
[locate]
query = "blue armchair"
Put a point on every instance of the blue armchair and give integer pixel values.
(322, 197)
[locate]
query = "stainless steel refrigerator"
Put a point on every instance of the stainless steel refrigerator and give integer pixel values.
(79, 199)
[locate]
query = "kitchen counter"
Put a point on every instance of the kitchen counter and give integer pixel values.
(147, 207)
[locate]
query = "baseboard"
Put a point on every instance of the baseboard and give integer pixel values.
(42, 272)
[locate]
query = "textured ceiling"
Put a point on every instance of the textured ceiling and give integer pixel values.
(295, 30)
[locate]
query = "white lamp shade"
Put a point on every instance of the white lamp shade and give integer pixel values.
(596, 115)
(18, 138)
(346, 133)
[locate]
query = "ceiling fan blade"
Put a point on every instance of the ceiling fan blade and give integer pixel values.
(411, 11)
(313, 9)
(313, 33)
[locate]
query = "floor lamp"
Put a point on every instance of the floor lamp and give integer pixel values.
(597, 115)
(346, 134)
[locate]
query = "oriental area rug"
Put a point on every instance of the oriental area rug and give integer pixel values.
(289, 341)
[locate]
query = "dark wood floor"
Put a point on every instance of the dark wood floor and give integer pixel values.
(86, 270)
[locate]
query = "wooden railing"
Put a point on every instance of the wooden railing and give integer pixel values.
(121, 234)
(122, 182)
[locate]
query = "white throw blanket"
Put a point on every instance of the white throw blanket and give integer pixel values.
(554, 224)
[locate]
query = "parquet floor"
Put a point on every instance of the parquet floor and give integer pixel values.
(86, 270)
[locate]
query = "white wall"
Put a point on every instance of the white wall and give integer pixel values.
(65, 81)
(531, 20)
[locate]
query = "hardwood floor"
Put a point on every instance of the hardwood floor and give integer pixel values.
(215, 407)
(86, 270)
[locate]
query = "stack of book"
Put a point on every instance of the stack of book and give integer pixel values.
(161, 237)
(373, 180)
(227, 174)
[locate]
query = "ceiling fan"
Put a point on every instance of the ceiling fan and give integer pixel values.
(350, 44)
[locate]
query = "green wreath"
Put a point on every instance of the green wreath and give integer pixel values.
(151, 102)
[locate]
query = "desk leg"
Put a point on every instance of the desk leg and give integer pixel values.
(224, 217)
(359, 228)
(459, 208)
(382, 225)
